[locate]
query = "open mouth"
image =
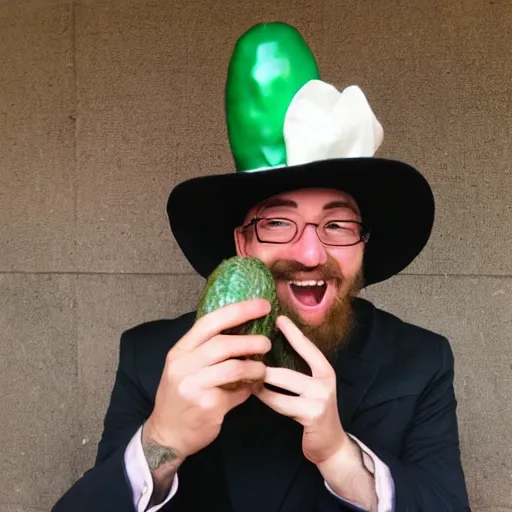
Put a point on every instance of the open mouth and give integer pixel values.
(308, 293)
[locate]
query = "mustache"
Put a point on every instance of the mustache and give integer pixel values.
(288, 269)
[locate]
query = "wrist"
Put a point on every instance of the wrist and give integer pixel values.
(161, 455)
(345, 459)
(150, 434)
(349, 477)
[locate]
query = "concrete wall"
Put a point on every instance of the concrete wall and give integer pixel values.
(106, 104)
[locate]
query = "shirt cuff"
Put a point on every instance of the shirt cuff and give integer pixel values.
(384, 485)
(139, 476)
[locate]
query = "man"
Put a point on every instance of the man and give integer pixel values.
(359, 412)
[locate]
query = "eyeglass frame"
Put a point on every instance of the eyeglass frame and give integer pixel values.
(364, 235)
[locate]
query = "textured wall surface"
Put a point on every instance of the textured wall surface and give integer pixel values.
(106, 104)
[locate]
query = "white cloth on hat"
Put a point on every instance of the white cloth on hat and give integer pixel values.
(322, 122)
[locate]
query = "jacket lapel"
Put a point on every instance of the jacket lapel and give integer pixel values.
(355, 377)
(355, 367)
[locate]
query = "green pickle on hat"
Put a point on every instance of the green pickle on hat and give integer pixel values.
(270, 63)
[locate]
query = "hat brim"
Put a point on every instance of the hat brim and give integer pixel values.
(395, 200)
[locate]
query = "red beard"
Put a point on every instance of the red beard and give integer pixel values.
(328, 336)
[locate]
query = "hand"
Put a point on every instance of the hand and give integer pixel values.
(190, 402)
(316, 406)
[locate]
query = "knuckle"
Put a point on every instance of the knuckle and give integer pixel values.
(170, 372)
(201, 326)
(259, 369)
(174, 366)
(216, 347)
(186, 389)
(175, 353)
(235, 370)
(208, 402)
(254, 344)
(225, 347)
(171, 356)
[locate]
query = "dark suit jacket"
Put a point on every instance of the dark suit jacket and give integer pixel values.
(395, 392)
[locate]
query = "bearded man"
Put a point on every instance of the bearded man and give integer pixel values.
(354, 409)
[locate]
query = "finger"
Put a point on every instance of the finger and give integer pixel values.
(219, 402)
(221, 319)
(319, 365)
(232, 370)
(224, 401)
(295, 407)
(228, 346)
(287, 379)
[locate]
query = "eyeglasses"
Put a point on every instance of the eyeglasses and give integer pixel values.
(278, 230)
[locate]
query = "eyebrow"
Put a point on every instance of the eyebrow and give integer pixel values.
(271, 203)
(339, 204)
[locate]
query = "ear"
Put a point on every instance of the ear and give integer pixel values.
(240, 242)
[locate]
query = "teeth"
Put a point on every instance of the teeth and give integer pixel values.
(307, 283)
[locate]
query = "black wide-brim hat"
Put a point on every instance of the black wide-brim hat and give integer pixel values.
(395, 201)
(288, 130)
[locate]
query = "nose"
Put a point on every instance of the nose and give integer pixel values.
(308, 250)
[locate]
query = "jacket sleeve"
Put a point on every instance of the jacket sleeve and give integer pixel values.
(105, 487)
(429, 475)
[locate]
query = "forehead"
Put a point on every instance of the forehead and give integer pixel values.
(308, 199)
